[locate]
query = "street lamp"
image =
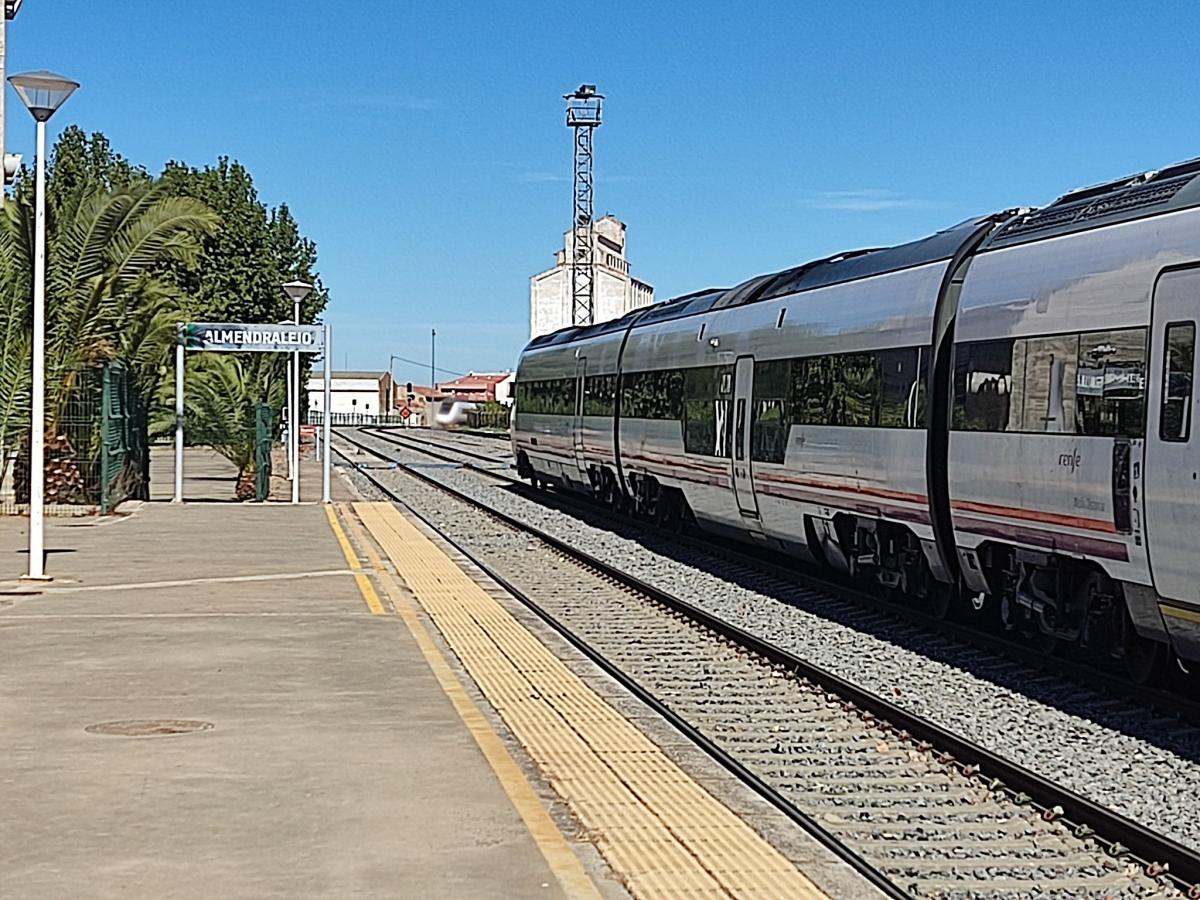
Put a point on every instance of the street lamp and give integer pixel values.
(42, 93)
(297, 290)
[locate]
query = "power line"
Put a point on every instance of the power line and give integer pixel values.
(426, 365)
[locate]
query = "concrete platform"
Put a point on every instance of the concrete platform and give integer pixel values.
(331, 763)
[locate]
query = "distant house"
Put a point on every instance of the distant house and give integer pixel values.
(477, 386)
(504, 389)
(352, 393)
(421, 404)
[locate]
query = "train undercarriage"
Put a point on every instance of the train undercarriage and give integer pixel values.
(1052, 603)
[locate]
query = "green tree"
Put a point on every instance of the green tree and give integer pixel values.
(219, 401)
(105, 298)
(242, 265)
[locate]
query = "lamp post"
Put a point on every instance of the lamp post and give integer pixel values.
(297, 290)
(42, 93)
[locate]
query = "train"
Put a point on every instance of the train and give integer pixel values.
(992, 421)
(453, 411)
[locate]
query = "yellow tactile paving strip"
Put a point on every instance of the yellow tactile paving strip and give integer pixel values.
(663, 833)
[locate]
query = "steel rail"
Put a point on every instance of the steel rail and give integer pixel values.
(398, 440)
(718, 754)
(1159, 856)
(794, 573)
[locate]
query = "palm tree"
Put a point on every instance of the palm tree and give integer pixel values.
(220, 397)
(105, 296)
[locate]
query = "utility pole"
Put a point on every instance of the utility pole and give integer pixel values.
(432, 360)
(9, 162)
(584, 108)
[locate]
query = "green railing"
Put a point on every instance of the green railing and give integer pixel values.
(124, 451)
(264, 440)
(96, 452)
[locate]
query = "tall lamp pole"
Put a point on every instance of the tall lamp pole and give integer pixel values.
(297, 290)
(42, 93)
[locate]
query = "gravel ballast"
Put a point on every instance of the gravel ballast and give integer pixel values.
(1137, 763)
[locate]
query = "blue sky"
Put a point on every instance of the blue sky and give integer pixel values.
(423, 145)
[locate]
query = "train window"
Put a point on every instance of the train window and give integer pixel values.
(897, 386)
(705, 411)
(856, 395)
(599, 396)
(902, 387)
(1043, 385)
(1089, 384)
(549, 396)
(1175, 414)
(1111, 383)
(982, 385)
(770, 415)
(653, 395)
(812, 390)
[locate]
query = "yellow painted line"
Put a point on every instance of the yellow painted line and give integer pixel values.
(554, 847)
(1175, 612)
(660, 831)
(360, 577)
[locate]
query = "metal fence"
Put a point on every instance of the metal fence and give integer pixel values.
(317, 417)
(125, 454)
(96, 448)
(489, 415)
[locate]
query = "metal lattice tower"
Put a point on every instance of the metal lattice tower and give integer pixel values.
(583, 116)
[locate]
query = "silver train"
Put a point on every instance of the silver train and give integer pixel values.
(996, 419)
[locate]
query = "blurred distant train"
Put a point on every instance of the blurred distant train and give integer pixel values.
(996, 418)
(453, 411)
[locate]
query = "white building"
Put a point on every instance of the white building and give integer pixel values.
(504, 389)
(616, 291)
(359, 393)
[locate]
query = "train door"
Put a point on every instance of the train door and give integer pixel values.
(1172, 476)
(743, 474)
(577, 429)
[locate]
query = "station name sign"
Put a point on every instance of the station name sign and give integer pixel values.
(238, 338)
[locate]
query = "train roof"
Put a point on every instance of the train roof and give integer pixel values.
(848, 266)
(697, 301)
(1132, 197)
(1136, 196)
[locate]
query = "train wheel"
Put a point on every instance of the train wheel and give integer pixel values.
(1145, 659)
(940, 601)
(1044, 644)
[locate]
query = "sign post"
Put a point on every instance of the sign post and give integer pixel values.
(290, 338)
(178, 498)
(328, 412)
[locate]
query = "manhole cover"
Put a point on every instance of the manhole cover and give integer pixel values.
(149, 727)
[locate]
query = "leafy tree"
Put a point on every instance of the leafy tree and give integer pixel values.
(130, 256)
(219, 400)
(243, 264)
(105, 298)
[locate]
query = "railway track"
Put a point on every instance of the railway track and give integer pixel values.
(917, 808)
(770, 573)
